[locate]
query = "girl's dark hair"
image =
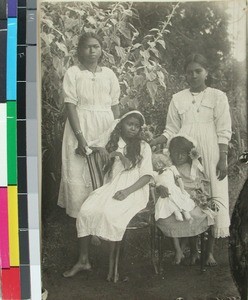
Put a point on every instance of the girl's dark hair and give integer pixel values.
(132, 149)
(180, 144)
(83, 39)
(201, 60)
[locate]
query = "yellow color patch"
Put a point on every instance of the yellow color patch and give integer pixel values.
(13, 226)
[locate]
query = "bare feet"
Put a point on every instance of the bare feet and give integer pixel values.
(211, 262)
(178, 258)
(194, 258)
(113, 277)
(95, 240)
(78, 267)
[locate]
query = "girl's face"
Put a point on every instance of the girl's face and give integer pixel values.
(179, 158)
(196, 76)
(90, 51)
(130, 127)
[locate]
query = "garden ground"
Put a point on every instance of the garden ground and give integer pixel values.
(60, 252)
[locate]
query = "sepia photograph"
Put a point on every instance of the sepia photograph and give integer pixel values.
(144, 150)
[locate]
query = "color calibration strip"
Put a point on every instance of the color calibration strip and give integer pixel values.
(19, 202)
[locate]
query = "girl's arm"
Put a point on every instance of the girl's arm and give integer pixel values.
(75, 125)
(122, 194)
(222, 121)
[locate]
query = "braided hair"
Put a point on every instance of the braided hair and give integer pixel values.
(132, 148)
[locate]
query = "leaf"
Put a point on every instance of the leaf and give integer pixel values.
(62, 47)
(128, 12)
(138, 80)
(110, 57)
(48, 22)
(152, 44)
(154, 29)
(124, 100)
(151, 76)
(56, 62)
(145, 54)
(161, 42)
(124, 30)
(137, 45)
(161, 78)
(91, 20)
(120, 52)
(155, 51)
(47, 38)
(116, 39)
(152, 89)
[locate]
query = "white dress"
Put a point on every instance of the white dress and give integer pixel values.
(176, 201)
(103, 216)
(93, 98)
(208, 121)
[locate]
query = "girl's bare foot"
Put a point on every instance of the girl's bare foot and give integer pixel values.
(194, 258)
(78, 267)
(211, 262)
(178, 258)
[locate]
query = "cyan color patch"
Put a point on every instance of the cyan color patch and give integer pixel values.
(11, 58)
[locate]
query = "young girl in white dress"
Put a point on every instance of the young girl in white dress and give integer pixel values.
(91, 96)
(203, 113)
(108, 210)
(178, 202)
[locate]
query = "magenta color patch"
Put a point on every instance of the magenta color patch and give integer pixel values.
(4, 232)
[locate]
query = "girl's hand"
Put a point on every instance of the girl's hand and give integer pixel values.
(163, 191)
(121, 195)
(104, 155)
(221, 168)
(81, 149)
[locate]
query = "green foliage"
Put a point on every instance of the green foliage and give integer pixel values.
(145, 44)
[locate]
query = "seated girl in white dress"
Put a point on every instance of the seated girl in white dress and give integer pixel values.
(108, 210)
(178, 202)
(185, 159)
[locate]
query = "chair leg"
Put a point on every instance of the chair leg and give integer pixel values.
(153, 255)
(160, 251)
(204, 238)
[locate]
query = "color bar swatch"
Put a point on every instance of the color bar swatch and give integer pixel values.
(19, 199)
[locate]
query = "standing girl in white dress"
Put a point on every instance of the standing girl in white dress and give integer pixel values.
(91, 95)
(108, 210)
(202, 113)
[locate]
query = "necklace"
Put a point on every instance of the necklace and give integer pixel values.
(91, 71)
(194, 101)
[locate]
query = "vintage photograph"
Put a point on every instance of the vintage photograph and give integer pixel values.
(144, 139)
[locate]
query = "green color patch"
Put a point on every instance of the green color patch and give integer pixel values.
(11, 142)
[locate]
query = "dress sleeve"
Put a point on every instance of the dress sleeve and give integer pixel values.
(69, 86)
(114, 89)
(173, 122)
(146, 163)
(222, 119)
